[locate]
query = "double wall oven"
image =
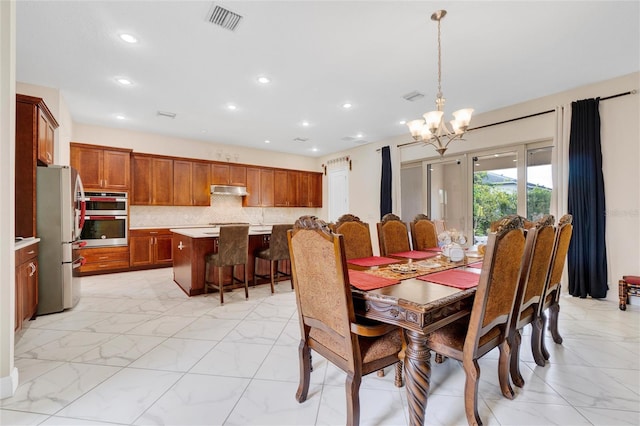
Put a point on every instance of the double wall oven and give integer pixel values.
(106, 219)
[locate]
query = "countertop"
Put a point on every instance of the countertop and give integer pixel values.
(26, 242)
(214, 231)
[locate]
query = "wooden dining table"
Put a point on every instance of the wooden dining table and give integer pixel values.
(419, 307)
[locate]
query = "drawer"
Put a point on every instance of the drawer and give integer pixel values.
(26, 253)
(105, 266)
(111, 254)
(149, 232)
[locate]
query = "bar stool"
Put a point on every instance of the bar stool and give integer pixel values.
(278, 250)
(629, 285)
(233, 248)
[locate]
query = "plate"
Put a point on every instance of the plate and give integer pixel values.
(403, 268)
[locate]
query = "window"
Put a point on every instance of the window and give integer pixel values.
(539, 182)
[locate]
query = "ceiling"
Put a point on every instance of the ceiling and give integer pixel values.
(318, 55)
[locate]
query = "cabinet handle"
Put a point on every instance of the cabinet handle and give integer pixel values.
(31, 252)
(180, 246)
(103, 257)
(49, 156)
(153, 232)
(33, 269)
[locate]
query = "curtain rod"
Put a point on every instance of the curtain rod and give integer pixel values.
(630, 92)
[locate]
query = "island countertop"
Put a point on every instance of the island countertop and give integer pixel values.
(212, 231)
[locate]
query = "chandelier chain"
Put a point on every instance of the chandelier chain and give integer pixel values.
(439, 95)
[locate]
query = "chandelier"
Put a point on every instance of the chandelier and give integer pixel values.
(432, 130)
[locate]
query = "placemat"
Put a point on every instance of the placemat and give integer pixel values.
(453, 278)
(363, 281)
(415, 254)
(372, 261)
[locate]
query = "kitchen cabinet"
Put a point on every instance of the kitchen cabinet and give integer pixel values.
(35, 126)
(152, 180)
(285, 191)
(26, 284)
(191, 183)
(260, 186)
(104, 259)
(102, 168)
(228, 174)
(310, 189)
(150, 247)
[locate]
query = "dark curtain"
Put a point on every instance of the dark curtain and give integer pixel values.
(385, 183)
(587, 256)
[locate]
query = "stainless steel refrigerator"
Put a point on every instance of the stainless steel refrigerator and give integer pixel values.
(59, 222)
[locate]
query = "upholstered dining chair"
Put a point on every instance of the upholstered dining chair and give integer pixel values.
(277, 251)
(487, 326)
(552, 291)
(357, 238)
(327, 319)
(393, 235)
(423, 233)
(233, 247)
(533, 278)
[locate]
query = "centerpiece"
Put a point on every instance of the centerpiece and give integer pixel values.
(451, 241)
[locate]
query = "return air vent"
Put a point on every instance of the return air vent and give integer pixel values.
(167, 114)
(413, 96)
(300, 139)
(348, 139)
(224, 18)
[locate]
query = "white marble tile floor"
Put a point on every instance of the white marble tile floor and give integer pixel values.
(137, 351)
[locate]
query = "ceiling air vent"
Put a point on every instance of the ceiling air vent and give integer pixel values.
(348, 139)
(167, 114)
(300, 139)
(360, 142)
(224, 18)
(413, 96)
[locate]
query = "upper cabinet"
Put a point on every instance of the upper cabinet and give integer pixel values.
(35, 128)
(228, 174)
(286, 184)
(152, 180)
(101, 167)
(191, 183)
(310, 189)
(260, 186)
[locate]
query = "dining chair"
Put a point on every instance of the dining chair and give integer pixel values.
(423, 233)
(327, 319)
(277, 251)
(552, 291)
(533, 277)
(233, 247)
(357, 238)
(393, 235)
(488, 325)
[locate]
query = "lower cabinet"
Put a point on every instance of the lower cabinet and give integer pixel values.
(26, 284)
(104, 259)
(150, 248)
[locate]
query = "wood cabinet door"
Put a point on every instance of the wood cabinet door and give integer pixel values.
(266, 187)
(315, 189)
(280, 188)
(116, 166)
(142, 178)
(219, 174)
(162, 249)
(200, 184)
(237, 175)
(88, 162)
(21, 277)
(140, 250)
(30, 291)
(162, 182)
(253, 188)
(182, 183)
(303, 189)
(292, 188)
(45, 139)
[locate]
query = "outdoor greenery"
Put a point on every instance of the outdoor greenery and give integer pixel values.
(538, 202)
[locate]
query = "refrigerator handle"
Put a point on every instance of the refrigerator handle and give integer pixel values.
(78, 262)
(83, 206)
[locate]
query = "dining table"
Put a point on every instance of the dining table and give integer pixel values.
(420, 297)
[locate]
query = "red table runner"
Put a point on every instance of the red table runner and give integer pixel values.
(363, 281)
(415, 254)
(453, 278)
(372, 261)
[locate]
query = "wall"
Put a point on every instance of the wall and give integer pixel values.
(620, 133)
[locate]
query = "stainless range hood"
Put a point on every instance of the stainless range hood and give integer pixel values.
(239, 191)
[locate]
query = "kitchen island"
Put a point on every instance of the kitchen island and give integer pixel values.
(191, 245)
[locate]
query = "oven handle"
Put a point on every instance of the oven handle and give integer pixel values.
(92, 217)
(105, 199)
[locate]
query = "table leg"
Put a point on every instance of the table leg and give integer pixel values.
(417, 367)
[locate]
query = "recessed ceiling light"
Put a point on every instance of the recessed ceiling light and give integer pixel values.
(203, 131)
(403, 121)
(120, 117)
(124, 81)
(314, 149)
(264, 80)
(305, 123)
(267, 141)
(128, 38)
(359, 135)
(232, 107)
(346, 105)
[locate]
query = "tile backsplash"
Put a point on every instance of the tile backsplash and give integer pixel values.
(223, 209)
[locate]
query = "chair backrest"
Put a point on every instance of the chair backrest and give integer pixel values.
(233, 245)
(423, 233)
(559, 256)
(526, 224)
(393, 235)
(323, 292)
(357, 238)
(535, 267)
(497, 287)
(278, 245)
